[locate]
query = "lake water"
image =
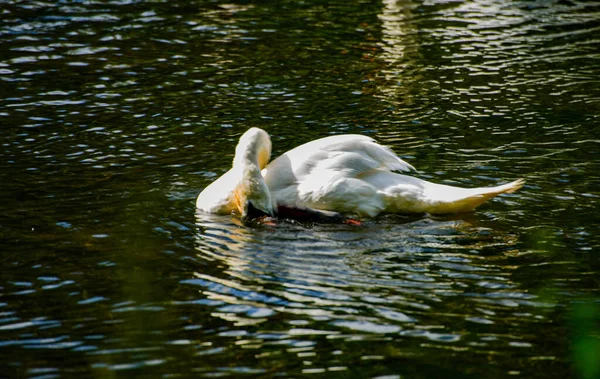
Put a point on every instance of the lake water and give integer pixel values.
(114, 115)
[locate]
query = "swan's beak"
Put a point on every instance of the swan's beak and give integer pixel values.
(253, 212)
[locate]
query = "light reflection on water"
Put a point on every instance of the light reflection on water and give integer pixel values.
(115, 115)
(358, 278)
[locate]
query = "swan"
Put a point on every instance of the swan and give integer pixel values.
(338, 175)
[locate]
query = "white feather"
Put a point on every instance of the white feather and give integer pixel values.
(347, 174)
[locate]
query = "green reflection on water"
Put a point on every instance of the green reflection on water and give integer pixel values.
(586, 340)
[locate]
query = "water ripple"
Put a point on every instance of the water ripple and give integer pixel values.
(360, 283)
(116, 114)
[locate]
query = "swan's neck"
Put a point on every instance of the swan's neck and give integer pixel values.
(251, 156)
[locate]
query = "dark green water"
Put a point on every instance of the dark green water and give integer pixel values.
(114, 115)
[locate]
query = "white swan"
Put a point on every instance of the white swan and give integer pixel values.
(342, 174)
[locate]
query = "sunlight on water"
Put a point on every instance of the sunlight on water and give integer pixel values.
(116, 114)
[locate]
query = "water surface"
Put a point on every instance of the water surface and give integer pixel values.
(115, 115)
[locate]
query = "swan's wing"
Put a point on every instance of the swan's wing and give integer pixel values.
(350, 153)
(367, 147)
(326, 174)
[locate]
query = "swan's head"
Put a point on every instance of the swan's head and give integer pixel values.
(253, 200)
(252, 154)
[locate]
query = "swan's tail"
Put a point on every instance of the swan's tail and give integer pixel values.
(507, 188)
(466, 200)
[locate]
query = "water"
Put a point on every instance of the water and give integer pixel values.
(114, 116)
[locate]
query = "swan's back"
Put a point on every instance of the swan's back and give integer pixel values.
(325, 173)
(351, 153)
